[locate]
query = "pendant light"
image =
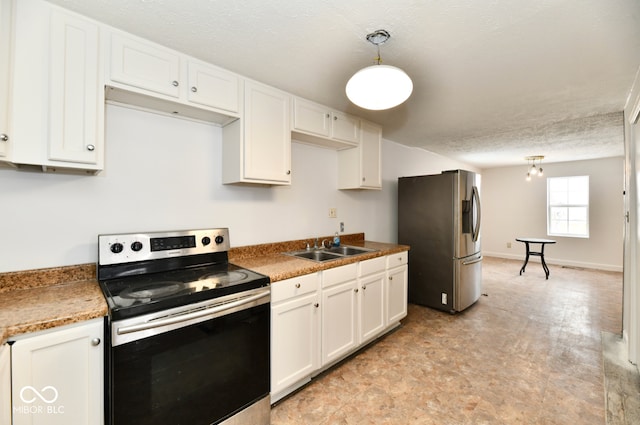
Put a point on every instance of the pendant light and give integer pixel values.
(533, 169)
(378, 87)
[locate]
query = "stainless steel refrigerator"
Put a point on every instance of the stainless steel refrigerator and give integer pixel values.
(439, 217)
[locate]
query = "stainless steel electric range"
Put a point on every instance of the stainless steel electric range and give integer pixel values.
(189, 332)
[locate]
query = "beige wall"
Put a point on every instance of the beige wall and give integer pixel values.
(513, 207)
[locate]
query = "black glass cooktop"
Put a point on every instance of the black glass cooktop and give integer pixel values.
(146, 293)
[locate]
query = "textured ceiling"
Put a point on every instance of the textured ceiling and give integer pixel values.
(494, 80)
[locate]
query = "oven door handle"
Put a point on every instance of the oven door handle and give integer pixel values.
(157, 323)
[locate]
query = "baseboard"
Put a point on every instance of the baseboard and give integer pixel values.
(556, 261)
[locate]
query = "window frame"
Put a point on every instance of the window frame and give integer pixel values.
(585, 206)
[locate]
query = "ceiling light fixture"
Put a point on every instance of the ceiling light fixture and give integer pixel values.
(378, 87)
(532, 169)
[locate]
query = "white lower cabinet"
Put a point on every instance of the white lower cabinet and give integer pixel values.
(339, 312)
(295, 337)
(397, 287)
(57, 376)
(5, 384)
(321, 318)
(371, 298)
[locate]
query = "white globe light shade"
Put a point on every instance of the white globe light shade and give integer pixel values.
(379, 87)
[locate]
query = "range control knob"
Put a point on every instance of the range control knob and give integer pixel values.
(116, 248)
(219, 239)
(136, 246)
(206, 240)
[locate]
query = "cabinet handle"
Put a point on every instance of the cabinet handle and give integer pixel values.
(335, 118)
(390, 277)
(91, 148)
(297, 285)
(194, 89)
(355, 290)
(4, 137)
(364, 287)
(175, 83)
(328, 115)
(95, 341)
(316, 305)
(364, 178)
(288, 172)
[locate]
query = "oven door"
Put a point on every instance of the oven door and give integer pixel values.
(199, 365)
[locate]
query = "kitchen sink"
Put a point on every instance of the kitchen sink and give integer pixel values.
(316, 255)
(335, 253)
(348, 250)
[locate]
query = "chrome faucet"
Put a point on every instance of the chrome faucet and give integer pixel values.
(321, 246)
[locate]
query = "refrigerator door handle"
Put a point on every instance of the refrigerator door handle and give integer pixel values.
(476, 203)
(477, 260)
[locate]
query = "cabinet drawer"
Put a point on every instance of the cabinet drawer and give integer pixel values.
(395, 260)
(374, 265)
(293, 287)
(341, 274)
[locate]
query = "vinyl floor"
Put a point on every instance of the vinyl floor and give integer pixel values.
(528, 352)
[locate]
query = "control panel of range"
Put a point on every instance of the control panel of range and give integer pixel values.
(130, 247)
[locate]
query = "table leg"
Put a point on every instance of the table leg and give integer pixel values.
(544, 265)
(526, 260)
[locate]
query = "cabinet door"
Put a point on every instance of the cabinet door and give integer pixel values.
(5, 67)
(267, 137)
(5, 384)
(372, 319)
(345, 127)
(311, 117)
(144, 66)
(57, 377)
(370, 148)
(76, 103)
(397, 294)
(294, 341)
(339, 323)
(213, 87)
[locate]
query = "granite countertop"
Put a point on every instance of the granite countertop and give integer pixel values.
(270, 260)
(36, 300)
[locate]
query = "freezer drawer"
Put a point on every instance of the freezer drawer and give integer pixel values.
(468, 281)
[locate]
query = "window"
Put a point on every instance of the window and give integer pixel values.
(568, 206)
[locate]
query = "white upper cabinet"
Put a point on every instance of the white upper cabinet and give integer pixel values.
(6, 45)
(145, 74)
(76, 105)
(144, 65)
(360, 167)
(213, 87)
(311, 117)
(319, 125)
(257, 147)
(57, 105)
(345, 127)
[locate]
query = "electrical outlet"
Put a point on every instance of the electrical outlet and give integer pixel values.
(444, 298)
(333, 212)
(342, 226)
(508, 244)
